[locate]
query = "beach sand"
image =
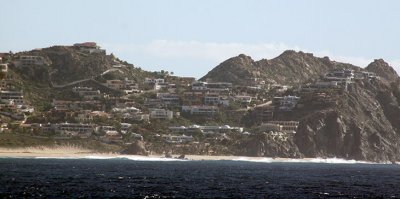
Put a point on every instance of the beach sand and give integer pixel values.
(76, 152)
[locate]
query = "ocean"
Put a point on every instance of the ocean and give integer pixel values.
(125, 178)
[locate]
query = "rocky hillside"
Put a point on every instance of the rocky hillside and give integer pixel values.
(360, 122)
(363, 124)
(288, 68)
(381, 68)
(63, 66)
(66, 64)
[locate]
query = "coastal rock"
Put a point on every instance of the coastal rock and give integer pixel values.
(136, 148)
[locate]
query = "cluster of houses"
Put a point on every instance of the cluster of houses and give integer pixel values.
(12, 103)
(173, 97)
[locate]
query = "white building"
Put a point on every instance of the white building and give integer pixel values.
(74, 128)
(15, 97)
(200, 110)
(161, 114)
(178, 139)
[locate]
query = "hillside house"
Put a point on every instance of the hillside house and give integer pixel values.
(161, 114)
(153, 103)
(279, 88)
(75, 129)
(169, 99)
(87, 93)
(365, 75)
(200, 110)
(345, 75)
(104, 129)
(115, 84)
(15, 97)
(125, 127)
(64, 105)
(218, 86)
(84, 116)
(211, 99)
(206, 129)
(25, 61)
(286, 103)
(89, 47)
(285, 126)
(199, 86)
(243, 99)
(192, 98)
(4, 68)
(178, 139)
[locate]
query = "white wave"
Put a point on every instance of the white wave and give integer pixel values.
(54, 157)
(305, 160)
(146, 158)
(100, 157)
(245, 159)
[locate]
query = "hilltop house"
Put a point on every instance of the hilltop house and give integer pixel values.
(89, 47)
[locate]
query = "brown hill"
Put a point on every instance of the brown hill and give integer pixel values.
(382, 69)
(290, 67)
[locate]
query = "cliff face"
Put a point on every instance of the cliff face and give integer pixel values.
(362, 123)
(288, 68)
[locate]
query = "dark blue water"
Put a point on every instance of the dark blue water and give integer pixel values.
(85, 178)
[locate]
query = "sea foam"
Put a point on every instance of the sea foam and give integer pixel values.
(306, 160)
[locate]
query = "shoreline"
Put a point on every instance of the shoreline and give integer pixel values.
(79, 153)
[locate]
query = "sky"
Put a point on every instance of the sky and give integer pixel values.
(190, 37)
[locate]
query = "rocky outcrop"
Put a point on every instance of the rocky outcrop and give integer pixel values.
(364, 125)
(383, 70)
(290, 67)
(136, 148)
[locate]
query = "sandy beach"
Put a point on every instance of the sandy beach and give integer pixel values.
(74, 152)
(80, 153)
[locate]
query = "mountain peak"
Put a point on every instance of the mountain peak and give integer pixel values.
(293, 54)
(383, 69)
(290, 67)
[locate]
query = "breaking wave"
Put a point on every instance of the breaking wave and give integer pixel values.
(127, 157)
(305, 160)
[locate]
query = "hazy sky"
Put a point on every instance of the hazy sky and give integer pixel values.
(191, 37)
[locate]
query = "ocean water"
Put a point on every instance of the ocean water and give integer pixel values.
(125, 178)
